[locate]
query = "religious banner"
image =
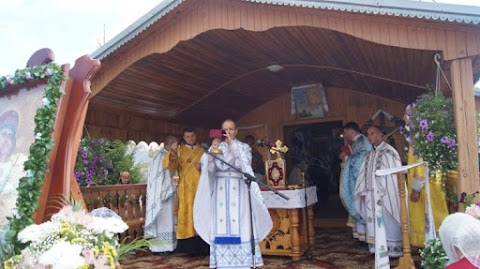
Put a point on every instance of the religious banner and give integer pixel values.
(17, 114)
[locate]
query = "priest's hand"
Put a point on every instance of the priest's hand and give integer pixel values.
(414, 196)
(197, 166)
(216, 143)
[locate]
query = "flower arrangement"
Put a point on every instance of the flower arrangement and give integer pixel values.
(433, 255)
(100, 161)
(474, 208)
(432, 133)
(72, 239)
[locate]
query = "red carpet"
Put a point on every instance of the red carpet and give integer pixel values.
(335, 247)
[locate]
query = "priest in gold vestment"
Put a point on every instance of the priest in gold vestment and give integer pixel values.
(189, 156)
(417, 207)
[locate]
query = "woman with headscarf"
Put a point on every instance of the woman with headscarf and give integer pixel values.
(460, 236)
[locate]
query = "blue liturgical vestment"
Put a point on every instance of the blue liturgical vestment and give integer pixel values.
(360, 147)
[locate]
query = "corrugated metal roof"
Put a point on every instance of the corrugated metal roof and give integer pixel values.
(403, 8)
(136, 28)
(400, 8)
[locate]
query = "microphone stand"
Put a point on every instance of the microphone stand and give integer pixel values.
(248, 181)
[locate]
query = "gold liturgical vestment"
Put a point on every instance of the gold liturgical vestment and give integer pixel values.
(188, 157)
(417, 210)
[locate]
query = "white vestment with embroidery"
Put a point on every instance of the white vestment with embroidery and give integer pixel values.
(221, 209)
(159, 217)
(377, 199)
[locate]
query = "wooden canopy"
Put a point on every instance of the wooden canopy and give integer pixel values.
(195, 80)
(200, 61)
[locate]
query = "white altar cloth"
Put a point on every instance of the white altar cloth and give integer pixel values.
(297, 198)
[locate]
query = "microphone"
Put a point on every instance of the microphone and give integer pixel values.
(263, 143)
(205, 146)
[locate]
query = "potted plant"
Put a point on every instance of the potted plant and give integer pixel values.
(433, 134)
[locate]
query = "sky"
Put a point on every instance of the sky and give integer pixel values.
(73, 28)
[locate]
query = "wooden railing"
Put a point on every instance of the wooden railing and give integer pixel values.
(128, 201)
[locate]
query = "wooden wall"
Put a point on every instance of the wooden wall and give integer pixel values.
(126, 126)
(345, 105)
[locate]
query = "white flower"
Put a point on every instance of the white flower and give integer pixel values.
(51, 245)
(109, 226)
(45, 101)
(38, 233)
(63, 255)
(66, 214)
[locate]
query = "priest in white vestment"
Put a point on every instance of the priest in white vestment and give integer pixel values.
(221, 209)
(377, 199)
(159, 217)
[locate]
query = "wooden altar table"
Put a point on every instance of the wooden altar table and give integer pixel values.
(288, 235)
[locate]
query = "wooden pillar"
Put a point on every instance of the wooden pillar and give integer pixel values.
(294, 222)
(465, 125)
(405, 262)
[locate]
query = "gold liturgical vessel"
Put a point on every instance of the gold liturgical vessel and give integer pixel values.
(216, 151)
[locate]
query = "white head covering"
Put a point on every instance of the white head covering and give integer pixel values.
(461, 231)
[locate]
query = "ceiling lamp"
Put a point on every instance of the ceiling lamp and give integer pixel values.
(274, 68)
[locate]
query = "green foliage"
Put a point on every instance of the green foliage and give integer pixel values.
(37, 163)
(121, 161)
(139, 243)
(100, 162)
(61, 200)
(433, 255)
(468, 199)
(434, 133)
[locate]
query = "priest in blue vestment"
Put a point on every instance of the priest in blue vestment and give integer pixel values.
(360, 146)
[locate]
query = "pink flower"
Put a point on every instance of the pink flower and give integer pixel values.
(101, 261)
(473, 210)
(88, 255)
